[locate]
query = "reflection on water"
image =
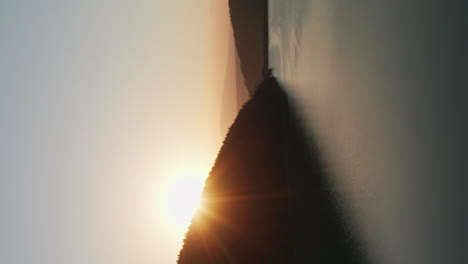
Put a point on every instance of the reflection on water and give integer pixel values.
(379, 83)
(285, 23)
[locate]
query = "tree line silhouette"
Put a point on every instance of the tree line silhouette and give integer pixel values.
(267, 199)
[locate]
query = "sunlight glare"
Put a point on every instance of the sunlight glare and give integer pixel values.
(183, 199)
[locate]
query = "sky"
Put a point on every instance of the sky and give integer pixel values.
(102, 105)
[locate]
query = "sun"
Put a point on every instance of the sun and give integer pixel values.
(183, 199)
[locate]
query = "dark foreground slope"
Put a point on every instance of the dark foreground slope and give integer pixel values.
(266, 200)
(248, 18)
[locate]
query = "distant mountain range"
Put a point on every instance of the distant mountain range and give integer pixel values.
(248, 19)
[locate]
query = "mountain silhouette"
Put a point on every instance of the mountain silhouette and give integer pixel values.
(248, 18)
(235, 93)
(267, 199)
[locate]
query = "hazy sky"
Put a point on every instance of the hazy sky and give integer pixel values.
(102, 103)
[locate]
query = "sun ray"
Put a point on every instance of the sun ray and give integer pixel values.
(183, 199)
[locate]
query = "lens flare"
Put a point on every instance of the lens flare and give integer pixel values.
(183, 199)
